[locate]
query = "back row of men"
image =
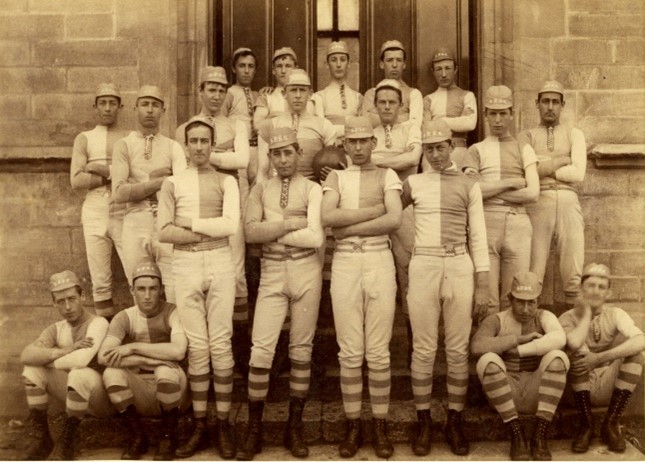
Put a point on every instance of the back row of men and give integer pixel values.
(456, 251)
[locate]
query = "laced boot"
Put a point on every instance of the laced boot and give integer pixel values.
(225, 444)
(198, 440)
(64, 448)
(293, 439)
(241, 344)
(519, 450)
(168, 437)
(353, 438)
(539, 446)
(610, 429)
(455, 435)
(422, 443)
(382, 446)
(137, 442)
(252, 444)
(585, 429)
(40, 442)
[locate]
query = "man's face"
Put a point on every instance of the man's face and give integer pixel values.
(297, 97)
(147, 293)
(199, 144)
(285, 160)
(550, 106)
(337, 63)
(212, 96)
(281, 68)
(393, 64)
(359, 149)
(596, 291)
(107, 109)
(69, 303)
(244, 70)
(388, 104)
(149, 111)
(438, 154)
(499, 121)
(444, 72)
(523, 310)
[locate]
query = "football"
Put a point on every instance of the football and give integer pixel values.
(329, 156)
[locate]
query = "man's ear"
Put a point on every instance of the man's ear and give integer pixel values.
(381, 65)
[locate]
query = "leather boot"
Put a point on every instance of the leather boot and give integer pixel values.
(422, 443)
(519, 450)
(40, 442)
(252, 444)
(610, 429)
(585, 418)
(198, 440)
(382, 446)
(353, 438)
(241, 344)
(137, 442)
(539, 446)
(455, 435)
(281, 361)
(225, 444)
(293, 439)
(168, 437)
(64, 448)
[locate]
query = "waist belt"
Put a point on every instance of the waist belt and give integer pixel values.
(363, 246)
(556, 186)
(459, 143)
(286, 253)
(506, 207)
(448, 250)
(204, 245)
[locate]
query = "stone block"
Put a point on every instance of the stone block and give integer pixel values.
(596, 6)
(35, 241)
(94, 6)
(627, 211)
(14, 53)
(100, 53)
(145, 18)
(600, 77)
(88, 26)
(582, 51)
(22, 293)
(603, 183)
(13, 6)
(64, 106)
(31, 80)
(608, 103)
(78, 241)
(625, 289)
(628, 263)
(86, 79)
(14, 106)
(606, 25)
(637, 183)
(34, 26)
(610, 236)
(536, 18)
(630, 52)
(532, 62)
(598, 256)
(612, 129)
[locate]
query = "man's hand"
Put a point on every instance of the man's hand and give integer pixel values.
(98, 168)
(481, 296)
(526, 338)
(561, 161)
(467, 111)
(582, 309)
(266, 90)
(113, 356)
(184, 222)
(327, 170)
(340, 233)
(516, 183)
(161, 172)
(293, 224)
(471, 172)
(584, 361)
(87, 342)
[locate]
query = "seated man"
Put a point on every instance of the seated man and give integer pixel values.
(606, 351)
(142, 347)
(61, 363)
(521, 367)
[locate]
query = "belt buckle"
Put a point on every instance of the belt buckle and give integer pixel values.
(450, 250)
(357, 247)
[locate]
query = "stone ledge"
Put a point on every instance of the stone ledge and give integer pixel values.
(607, 155)
(31, 165)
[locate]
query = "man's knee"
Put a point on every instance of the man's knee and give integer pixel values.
(115, 376)
(638, 358)
(490, 364)
(556, 361)
(34, 375)
(168, 374)
(350, 361)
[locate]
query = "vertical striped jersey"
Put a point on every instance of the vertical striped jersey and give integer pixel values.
(449, 104)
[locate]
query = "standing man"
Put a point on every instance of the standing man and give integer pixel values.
(337, 101)
(606, 351)
(61, 363)
(393, 58)
(230, 155)
(199, 210)
(521, 364)
(102, 218)
(283, 213)
(141, 351)
(562, 156)
(508, 179)
(448, 272)
(457, 107)
(362, 204)
(141, 162)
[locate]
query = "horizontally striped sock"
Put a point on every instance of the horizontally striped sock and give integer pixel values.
(223, 383)
(421, 389)
(299, 379)
(498, 391)
(552, 383)
(120, 396)
(168, 394)
(199, 389)
(258, 383)
(241, 309)
(379, 384)
(457, 384)
(629, 373)
(75, 404)
(37, 398)
(351, 386)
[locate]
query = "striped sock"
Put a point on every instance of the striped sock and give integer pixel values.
(457, 384)
(199, 388)
(629, 373)
(421, 389)
(121, 396)
(223, 384)
(351, 386)
(379, 385)
(105, 308)
(258, 383)
(552, 383)
(498, 391)
(75, 404)
(168, 394)
(37, 398)
(241, 309)
(299, 379)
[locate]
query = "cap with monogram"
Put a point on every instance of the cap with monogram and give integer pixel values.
(146, 267)
(337, 47)
(215, 74)
(241, 50)
(391, 45)
(551, 86)
(298, 77)
(596, 269)
(443, 53)
(281, 137)
(63, 280)
(498, 97)
(107, 89)
(358, 127)
(435, 131)
(388, 83)
(150, 91)
(285, 51)
(526, 286)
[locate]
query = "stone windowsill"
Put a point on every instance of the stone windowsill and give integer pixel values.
(618, 155)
